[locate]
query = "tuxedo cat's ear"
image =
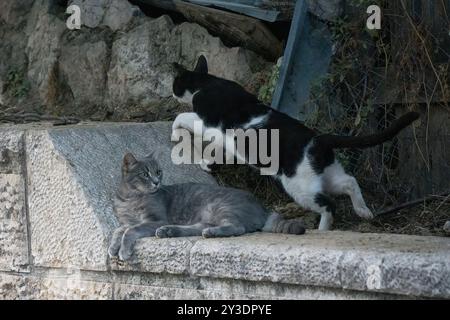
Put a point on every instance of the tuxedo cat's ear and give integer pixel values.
(128, 161)
(202, 65)
(178, 69)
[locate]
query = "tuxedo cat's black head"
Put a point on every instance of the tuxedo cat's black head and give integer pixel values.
(143, 176)
(187, 83)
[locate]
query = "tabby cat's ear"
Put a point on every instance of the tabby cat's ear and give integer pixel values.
(128, 161)
(202, 65)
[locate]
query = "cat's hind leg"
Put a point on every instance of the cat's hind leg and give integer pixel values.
(319, 203)
(305, 187)
(226, 230)
(172, 231)
(336, 181)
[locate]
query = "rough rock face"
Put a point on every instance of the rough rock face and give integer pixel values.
(112, 13)
(119, 56)
(42, 51)
(82, 67)
(140, 70)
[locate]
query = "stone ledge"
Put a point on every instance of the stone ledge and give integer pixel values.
(69, 176)
(384, 263)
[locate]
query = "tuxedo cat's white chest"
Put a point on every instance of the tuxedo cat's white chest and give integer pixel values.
(187, 97)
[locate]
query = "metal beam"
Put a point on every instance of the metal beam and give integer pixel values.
(245, 7)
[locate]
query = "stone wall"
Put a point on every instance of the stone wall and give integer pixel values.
(56, 186)
(120, 58)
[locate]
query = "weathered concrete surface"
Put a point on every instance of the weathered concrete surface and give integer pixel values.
(13, 223)
(168, 255)
(18, 287)
(392, 264)
(70, 287)
(73, 173)
(410, 265)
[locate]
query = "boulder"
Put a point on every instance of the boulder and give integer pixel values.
(83, 67)
(140, 69)
(115, 14)
(120, 57)
(42, 50)
(14, 12)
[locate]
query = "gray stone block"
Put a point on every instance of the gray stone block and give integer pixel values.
(159, 256)
(69, 287)
(398, 264)
(13, 225)
(73, 173)
(18, 287)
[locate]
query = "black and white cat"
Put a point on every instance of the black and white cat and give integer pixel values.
(308, 169)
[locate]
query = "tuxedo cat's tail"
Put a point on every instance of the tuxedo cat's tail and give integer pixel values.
(277, 224)
(336, 142)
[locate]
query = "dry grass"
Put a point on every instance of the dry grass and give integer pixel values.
(424, 219)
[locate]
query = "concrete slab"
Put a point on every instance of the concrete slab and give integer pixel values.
(72, 175)
(399, 264)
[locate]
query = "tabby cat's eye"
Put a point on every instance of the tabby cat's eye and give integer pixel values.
(158, 173)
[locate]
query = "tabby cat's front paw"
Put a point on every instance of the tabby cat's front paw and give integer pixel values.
(164, 232)
(124, 254)
(113, 251)
(208, 233)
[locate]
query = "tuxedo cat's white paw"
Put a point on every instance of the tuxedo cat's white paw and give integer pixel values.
(364, 212)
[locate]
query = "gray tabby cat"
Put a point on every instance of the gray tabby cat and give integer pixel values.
(145, 208)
